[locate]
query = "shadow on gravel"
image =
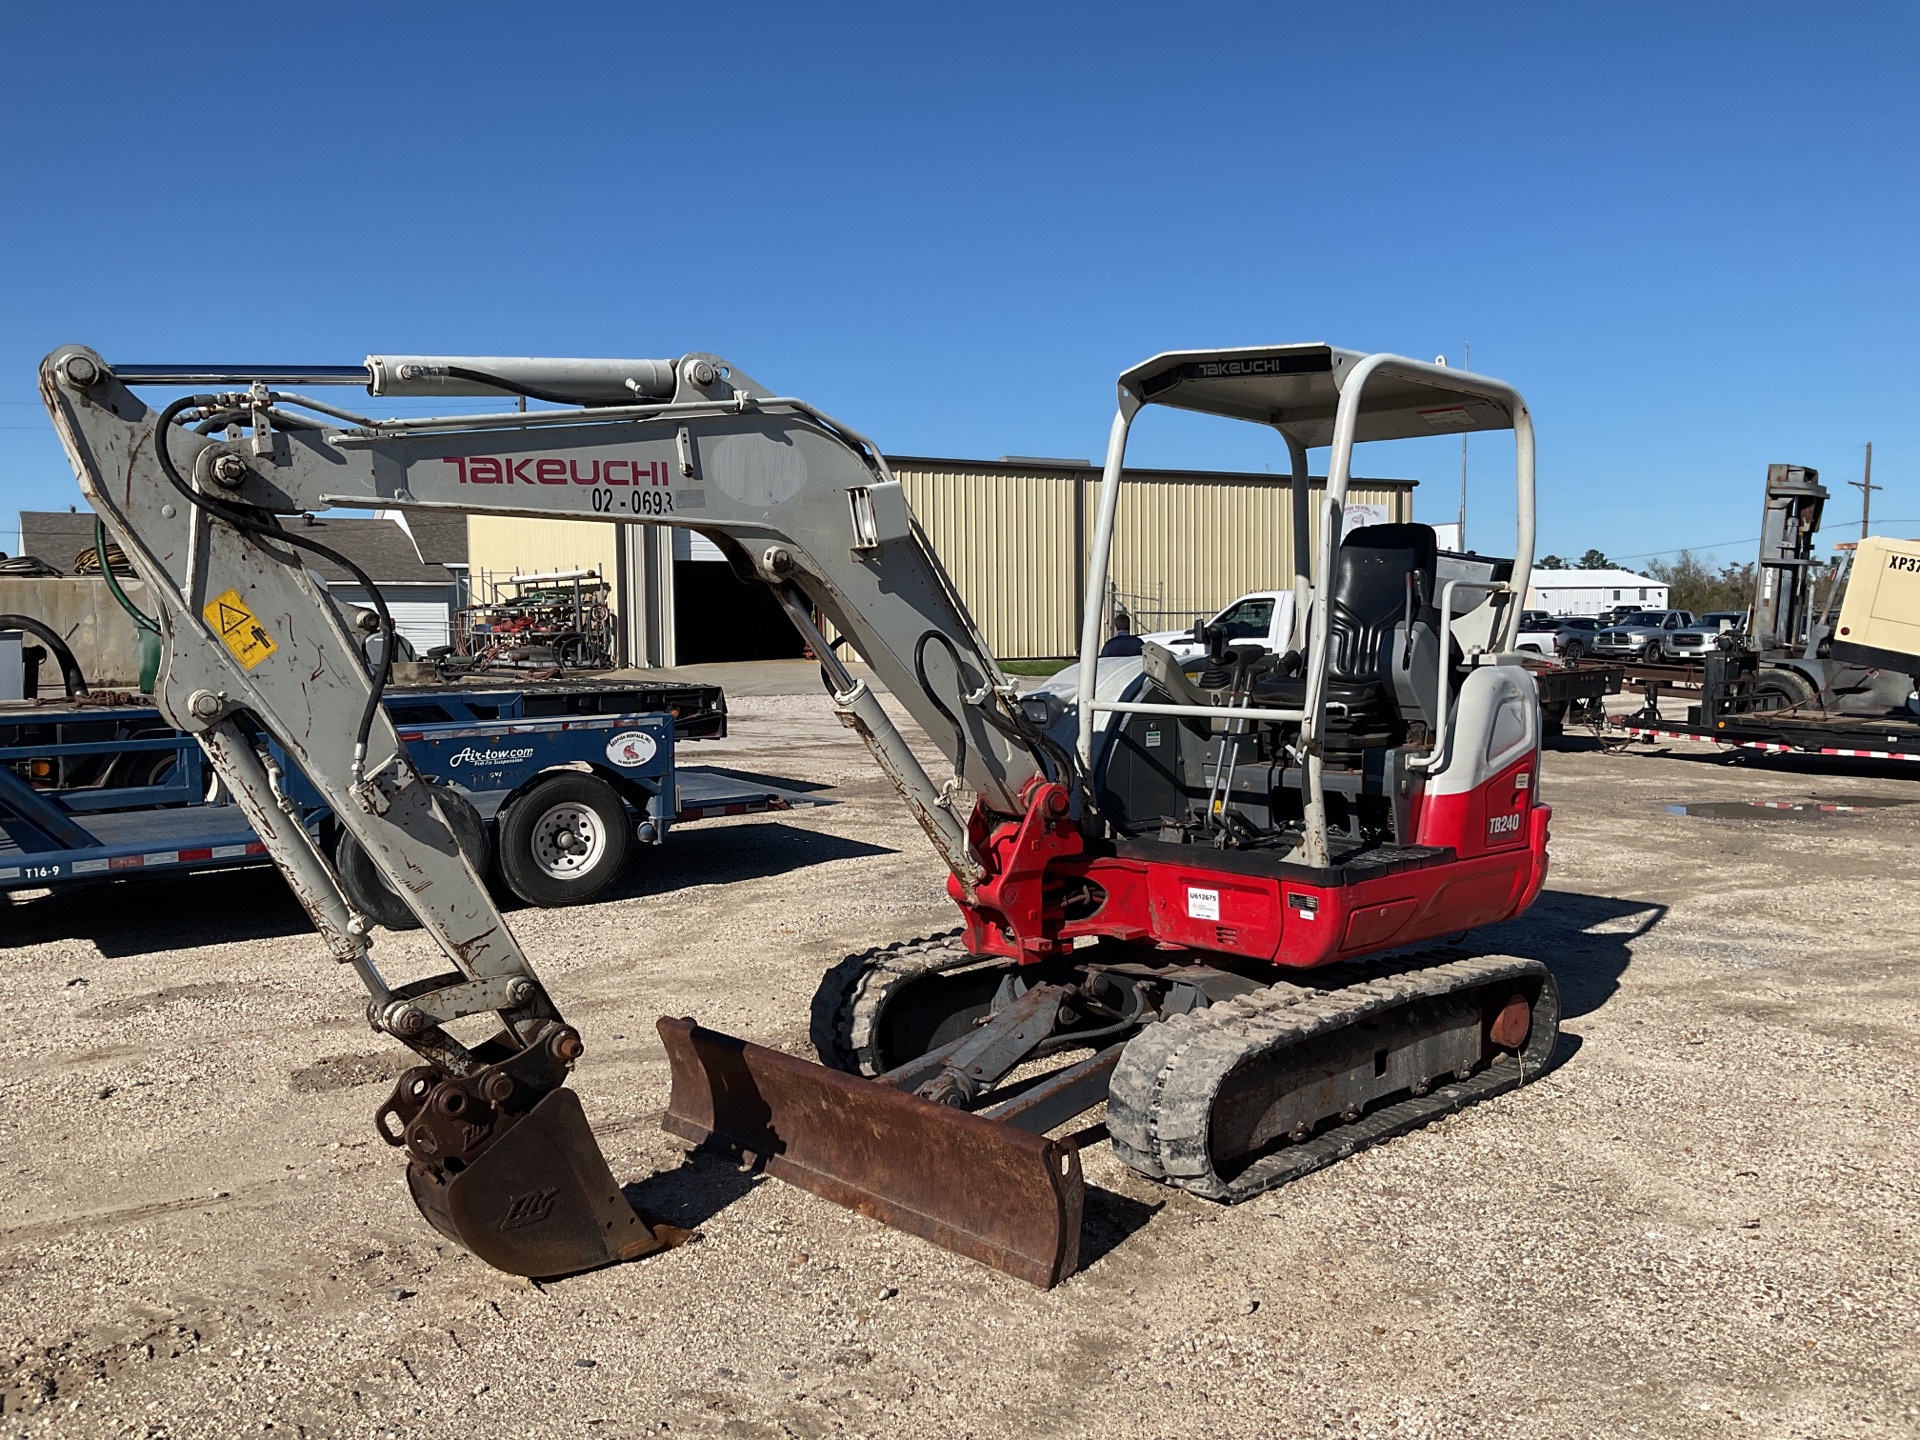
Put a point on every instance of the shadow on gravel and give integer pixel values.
(1586, 940)
(1582, 744)
(1109, 1221)
(694, 1191)
(697, 856)
(138, 917)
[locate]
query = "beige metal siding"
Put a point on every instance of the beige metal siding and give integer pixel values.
(500, 545)
(1185, 545)
(1009, 540)
(1012, 536)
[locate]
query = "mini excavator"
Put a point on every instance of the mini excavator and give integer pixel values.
(1203, 895)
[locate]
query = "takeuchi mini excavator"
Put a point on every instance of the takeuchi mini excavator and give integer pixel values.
(1192, 892)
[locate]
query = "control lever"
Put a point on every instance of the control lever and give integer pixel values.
(1220, 661)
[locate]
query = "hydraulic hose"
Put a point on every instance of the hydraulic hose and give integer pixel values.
(248, 521)
(70, 674)
(960, 673)
(141, 619)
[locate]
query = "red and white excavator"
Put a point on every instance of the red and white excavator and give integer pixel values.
(1190, 892)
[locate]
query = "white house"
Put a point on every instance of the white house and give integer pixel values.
(1588, 592)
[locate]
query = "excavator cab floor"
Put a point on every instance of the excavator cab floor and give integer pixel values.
(980, 1188)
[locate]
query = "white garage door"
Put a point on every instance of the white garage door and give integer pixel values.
(425, 623)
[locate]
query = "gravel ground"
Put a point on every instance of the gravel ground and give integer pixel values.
(1699, 1224)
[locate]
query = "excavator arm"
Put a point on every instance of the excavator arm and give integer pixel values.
(203, 496)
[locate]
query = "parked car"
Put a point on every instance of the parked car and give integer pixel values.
(1640, 635)
(1576, 636)
(1696, 641)
(1567, 636)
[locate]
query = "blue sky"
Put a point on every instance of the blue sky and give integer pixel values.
(1686, 232)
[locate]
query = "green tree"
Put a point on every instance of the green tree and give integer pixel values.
(1550, 562)
(1595, 560)
(1693, 584)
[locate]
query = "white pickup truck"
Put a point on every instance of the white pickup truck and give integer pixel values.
(1262, 615)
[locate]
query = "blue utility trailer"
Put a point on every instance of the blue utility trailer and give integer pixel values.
(559, 781)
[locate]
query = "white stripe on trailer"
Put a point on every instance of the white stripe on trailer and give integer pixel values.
(161, 857)
(88, 867)
(1768, 746)
(230, 852)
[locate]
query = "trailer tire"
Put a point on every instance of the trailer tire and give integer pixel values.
(367, 889)
(564, 839)
(1787, 687)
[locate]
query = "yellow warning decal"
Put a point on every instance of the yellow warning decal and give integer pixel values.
(240, 630)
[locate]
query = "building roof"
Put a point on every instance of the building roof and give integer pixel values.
(1589, 579)
(1036, 466)
(380, 547)
(59, 537)
(439, 536)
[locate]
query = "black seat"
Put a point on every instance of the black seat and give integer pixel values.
(1377, 567)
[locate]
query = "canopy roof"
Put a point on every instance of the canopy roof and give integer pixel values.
(1296, 389)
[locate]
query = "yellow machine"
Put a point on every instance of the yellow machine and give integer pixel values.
(1880, 618)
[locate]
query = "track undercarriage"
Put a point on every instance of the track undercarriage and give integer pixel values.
(1223, 1082)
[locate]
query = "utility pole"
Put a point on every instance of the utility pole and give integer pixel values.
(1466, 356)
(1866, 487)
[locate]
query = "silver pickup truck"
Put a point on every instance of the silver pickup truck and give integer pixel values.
(1641, 635)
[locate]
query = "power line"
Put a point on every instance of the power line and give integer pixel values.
(1722, 544)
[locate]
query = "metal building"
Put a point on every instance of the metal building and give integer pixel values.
(1012, 533)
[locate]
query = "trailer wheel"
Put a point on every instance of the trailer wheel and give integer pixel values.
(1782, 689)
(564, 840)
(367, 889)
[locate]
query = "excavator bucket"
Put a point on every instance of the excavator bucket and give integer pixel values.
(980, 1188)
(539, 1199)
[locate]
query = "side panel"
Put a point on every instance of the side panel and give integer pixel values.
(1477, 801)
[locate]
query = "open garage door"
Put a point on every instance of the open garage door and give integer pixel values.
(719, 617)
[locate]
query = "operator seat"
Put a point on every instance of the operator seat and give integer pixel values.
(1383, 636)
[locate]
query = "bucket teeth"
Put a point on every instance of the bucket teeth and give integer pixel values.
(982, 1189)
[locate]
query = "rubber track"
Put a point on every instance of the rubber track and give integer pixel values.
(1160, 1103)
(852, 993)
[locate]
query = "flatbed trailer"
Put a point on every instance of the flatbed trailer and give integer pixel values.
(1575, 692)
(92, 792)
(1728, 715)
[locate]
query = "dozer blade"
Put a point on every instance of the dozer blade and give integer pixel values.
(539, 1200)
(980, 1188)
